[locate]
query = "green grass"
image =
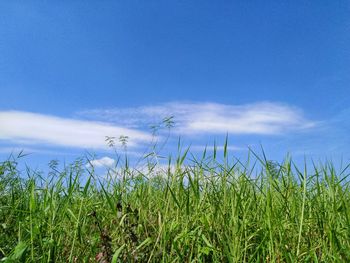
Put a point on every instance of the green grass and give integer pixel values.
(204, 211)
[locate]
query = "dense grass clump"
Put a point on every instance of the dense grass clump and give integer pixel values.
(204, 211)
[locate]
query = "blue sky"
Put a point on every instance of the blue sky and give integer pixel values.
(275, 73)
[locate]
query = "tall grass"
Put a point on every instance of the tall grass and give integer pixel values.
(196, 210)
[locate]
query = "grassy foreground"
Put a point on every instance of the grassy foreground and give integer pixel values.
(206, 211)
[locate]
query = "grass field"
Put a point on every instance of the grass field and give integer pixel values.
(208, 210)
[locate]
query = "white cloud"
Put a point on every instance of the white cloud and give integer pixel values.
(32, 128)
(264, 118)
(102, 162)
(213, 118)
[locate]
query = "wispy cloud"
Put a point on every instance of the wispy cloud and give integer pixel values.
(102, 162)
(212, 118)
(17, 150)
(32, 128)
(330, 138)
(90, 129)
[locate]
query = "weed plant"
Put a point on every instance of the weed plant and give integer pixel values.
(197, 209)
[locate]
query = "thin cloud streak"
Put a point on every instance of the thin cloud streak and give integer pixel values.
(16, 150)
(31, 128)
(263, 118)
(201, 148)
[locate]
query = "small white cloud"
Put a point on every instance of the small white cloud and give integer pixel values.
(32, 128)
(102, 162)
(264, 118)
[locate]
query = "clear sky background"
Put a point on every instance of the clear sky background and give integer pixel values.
(275, 73)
